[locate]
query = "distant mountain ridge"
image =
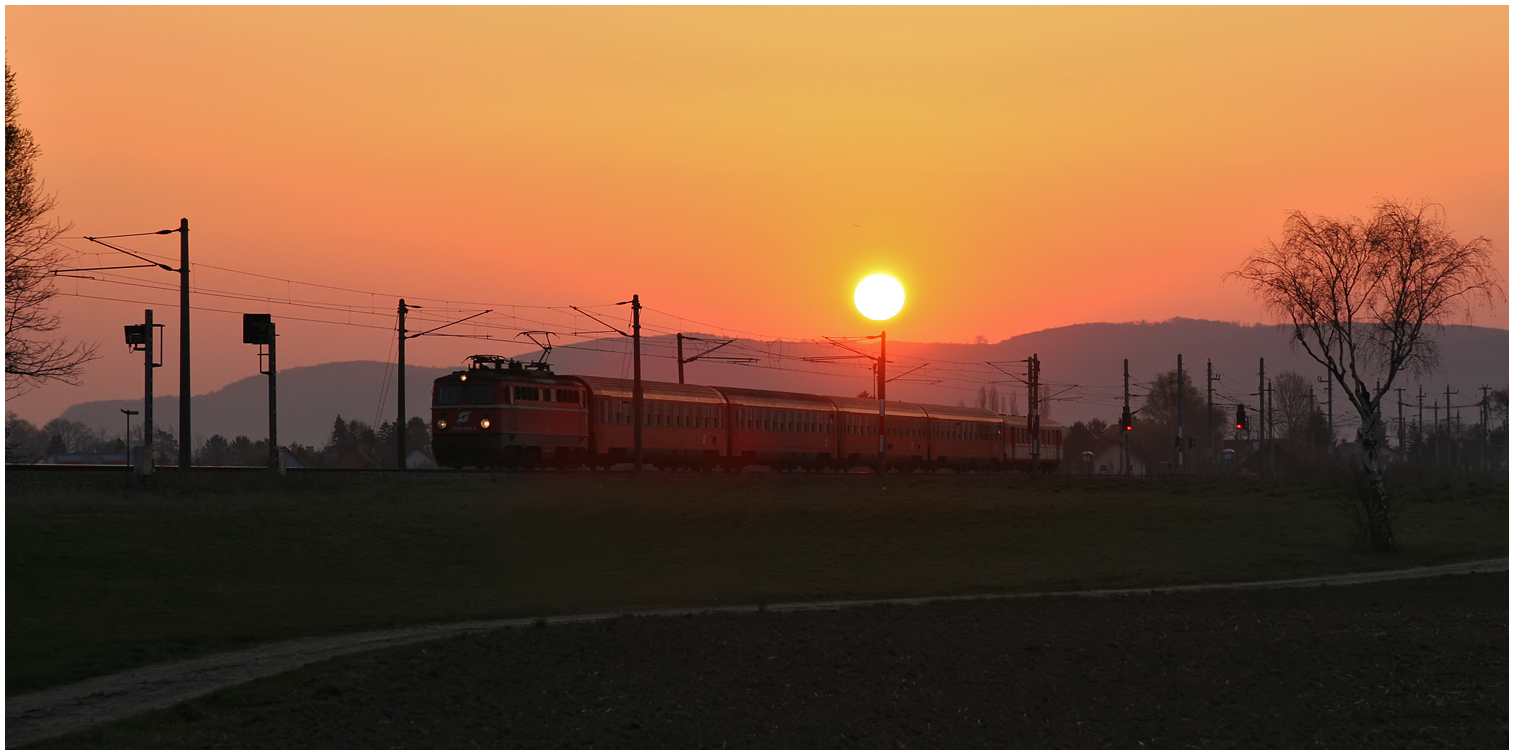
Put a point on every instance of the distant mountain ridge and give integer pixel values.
(1088, 356)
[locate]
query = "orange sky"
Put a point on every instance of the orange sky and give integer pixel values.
(1015, 168)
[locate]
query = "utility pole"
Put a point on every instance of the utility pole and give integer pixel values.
(1272, 445)
(186, 434)
(1033, 368)
(1435, 423)
(147, 425)
(1329, 410)
(882, 381)
(680, 359)
(1485, 418)
(399, 430)
(1454, 451)
(1419, 427)
(273, 400)
(636, 390)
(1261, 409)
(1209, 416)
(186, 437)
(1449, 393)
(1177, 467)
(1403, 450)
(1124, 435)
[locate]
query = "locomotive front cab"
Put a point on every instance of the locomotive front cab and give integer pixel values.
(465, 418)
(500, 412)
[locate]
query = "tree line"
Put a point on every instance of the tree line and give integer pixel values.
(350, 444)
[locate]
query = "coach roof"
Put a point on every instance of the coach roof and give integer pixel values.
(652, 390)
(870, 406)
(960, 413)
(777, 399)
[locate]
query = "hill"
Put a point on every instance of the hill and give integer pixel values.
(1081, 364)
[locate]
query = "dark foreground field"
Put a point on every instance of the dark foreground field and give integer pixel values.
(1413, 663)
(102, 581)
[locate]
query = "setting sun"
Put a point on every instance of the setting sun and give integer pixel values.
(879, 297)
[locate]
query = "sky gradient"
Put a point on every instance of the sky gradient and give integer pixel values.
(1015, 168)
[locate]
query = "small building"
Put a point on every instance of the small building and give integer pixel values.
(1106, 459)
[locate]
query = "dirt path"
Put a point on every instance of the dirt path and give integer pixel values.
(74, 707)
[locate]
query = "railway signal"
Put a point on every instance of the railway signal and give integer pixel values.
(141, 338)
(1126, 421)
(1240, 416)
(259, 330)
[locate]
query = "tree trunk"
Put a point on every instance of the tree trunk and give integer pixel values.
(1379, 525)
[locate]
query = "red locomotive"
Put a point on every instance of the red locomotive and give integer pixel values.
(502, 413)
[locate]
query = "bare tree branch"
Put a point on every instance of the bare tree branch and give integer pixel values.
(31, 254)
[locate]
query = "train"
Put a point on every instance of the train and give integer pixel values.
(500, 412)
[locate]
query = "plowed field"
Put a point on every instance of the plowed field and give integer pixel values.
(1413, 663)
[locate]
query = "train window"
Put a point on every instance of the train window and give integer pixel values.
(478, 394)
(447, 395)
(527, 393)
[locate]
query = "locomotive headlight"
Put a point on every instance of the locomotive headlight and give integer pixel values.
(441, 424)
(484, 423)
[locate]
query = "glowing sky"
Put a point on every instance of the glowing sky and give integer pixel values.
(1015, 168)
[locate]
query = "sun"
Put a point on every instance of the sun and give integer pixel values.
(879, 297)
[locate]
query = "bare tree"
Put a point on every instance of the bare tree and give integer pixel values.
(31, 254)
(1295, 405)
(1365, 298)
(989, 398)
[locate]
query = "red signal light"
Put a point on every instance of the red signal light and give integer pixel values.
(1238, 427)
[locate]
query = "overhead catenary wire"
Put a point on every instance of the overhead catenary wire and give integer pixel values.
(783, 353)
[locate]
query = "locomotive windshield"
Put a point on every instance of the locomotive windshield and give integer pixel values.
(452, 395)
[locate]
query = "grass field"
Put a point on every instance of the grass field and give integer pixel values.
(99, 582)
